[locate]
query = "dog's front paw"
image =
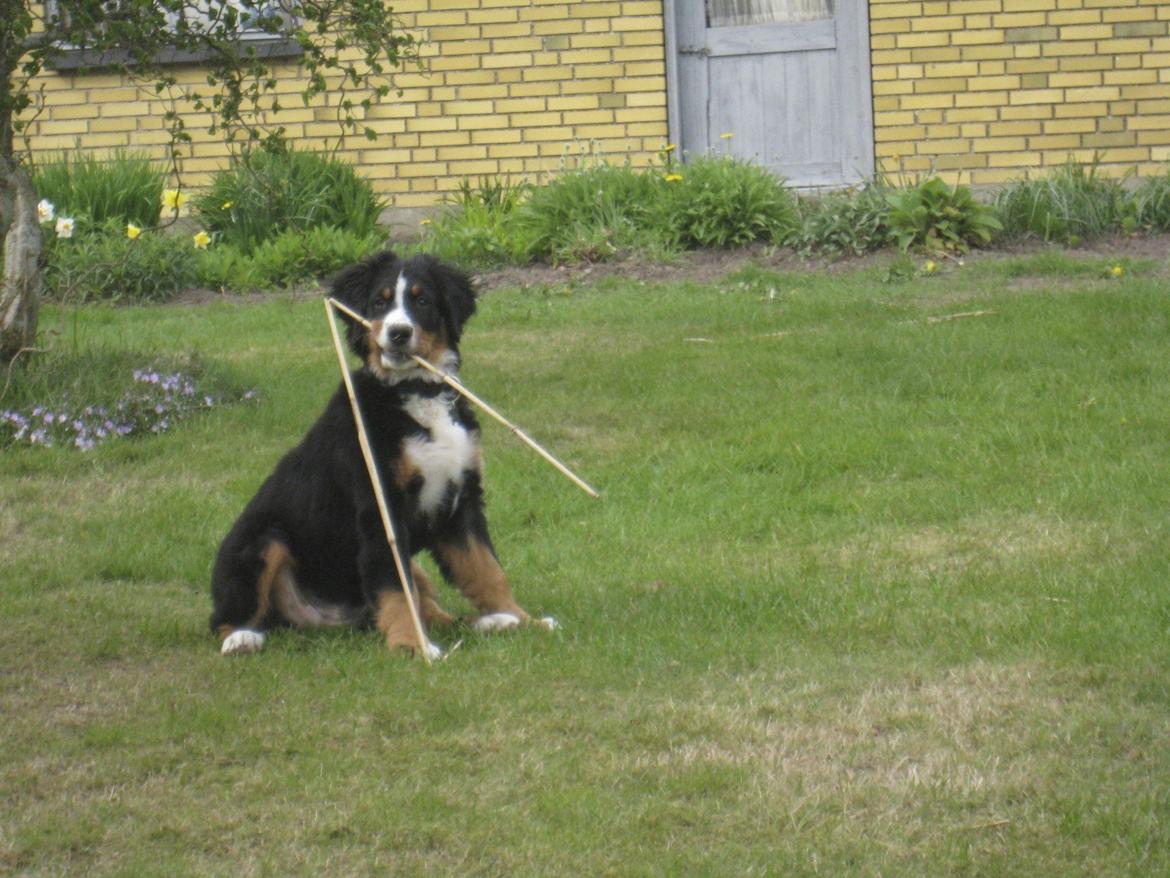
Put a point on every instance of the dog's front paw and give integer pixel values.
(548, 623)
(494, 622)
(242, 641)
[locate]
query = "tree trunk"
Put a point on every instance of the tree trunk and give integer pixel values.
(20, 287)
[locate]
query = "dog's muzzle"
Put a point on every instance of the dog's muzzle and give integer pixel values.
(396, 342)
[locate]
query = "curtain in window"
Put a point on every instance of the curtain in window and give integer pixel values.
(728, 13)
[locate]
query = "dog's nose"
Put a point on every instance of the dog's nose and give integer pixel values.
(400, 333)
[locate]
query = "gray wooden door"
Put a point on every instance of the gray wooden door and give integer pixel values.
(794, 96)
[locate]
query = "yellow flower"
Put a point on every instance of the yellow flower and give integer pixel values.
(727, 135)
(424, 222)
(227, 205)
(132, 231)
(672, 178)
(931, 266)
(202, 239)
(670, 147)
(1117, 271)
(173, 199)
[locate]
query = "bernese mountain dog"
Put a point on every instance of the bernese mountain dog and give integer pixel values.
(309, 549)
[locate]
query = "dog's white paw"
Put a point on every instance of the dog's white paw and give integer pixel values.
(548, 623)
(494, 622)
(434, 651)
(242, 641)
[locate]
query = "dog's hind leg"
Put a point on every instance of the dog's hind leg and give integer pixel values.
(244, 597)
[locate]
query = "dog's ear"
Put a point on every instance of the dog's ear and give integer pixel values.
(458, 296)
(353, 288)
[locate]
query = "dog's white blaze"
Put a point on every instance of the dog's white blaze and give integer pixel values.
(242, 640)
(441, 458)
(396, 316)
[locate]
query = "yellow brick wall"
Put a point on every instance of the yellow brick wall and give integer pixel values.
(510, 86)
(982, 90)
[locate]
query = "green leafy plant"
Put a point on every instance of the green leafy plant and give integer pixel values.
(104, 264)
(853, 221)
(720, 201)
(288, 258)
(124, 186)
(931, 214)
(475, 225)
(273, 191)
(1072, 204)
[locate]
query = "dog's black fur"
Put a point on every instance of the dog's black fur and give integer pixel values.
(310, 546)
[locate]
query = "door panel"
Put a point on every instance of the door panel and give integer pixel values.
(795, 97)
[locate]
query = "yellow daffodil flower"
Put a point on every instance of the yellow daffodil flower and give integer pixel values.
(132, 231)
(201, 239)
(173, 199)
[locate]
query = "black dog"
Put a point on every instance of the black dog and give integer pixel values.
(309, 549)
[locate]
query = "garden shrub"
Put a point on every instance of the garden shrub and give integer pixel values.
(588, 212)
(268, 193)
(722, 202)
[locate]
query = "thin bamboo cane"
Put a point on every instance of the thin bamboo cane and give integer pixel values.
(424, 644)
(457, 385)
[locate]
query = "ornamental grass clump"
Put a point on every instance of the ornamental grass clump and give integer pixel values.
(1074, 203)
(270, 192)
(123, 187)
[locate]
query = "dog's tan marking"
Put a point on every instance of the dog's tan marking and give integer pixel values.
(416, 290)
(432, 345)
(387, 293)
(393, 620)
(405, 472)
(477, 573)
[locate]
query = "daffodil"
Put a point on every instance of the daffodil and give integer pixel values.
(670, 147)
(227, 205)
(45, 211)
(931, 266)
(1117, 271)
(173, 199)
(64, 227)
(672, 178)
(132, 231)
(424, 222)
(201, 239)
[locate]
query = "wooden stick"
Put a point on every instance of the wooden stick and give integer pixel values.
(424, 643)
(457, 385)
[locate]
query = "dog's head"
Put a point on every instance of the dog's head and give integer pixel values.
(416, 307)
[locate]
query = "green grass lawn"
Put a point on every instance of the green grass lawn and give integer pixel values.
(869, 592)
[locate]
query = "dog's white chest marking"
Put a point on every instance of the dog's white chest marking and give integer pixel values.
(442, 457)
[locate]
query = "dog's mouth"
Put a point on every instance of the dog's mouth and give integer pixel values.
(397, 360)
